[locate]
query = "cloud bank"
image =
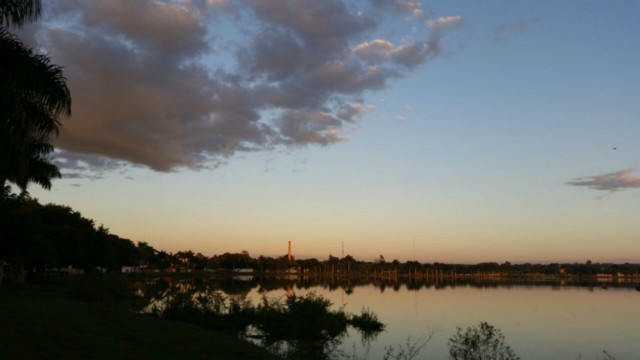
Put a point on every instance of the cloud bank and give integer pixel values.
(173, 84)
(615, 181)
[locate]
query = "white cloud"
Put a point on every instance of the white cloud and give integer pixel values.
(412, 8)
(444, 22)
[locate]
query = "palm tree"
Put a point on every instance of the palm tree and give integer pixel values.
(33, 97)
(18, 12)
(34, 166)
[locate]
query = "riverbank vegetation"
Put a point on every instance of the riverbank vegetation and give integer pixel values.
(300, 327)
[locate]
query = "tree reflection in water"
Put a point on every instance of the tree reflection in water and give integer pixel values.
(306, 328)
(303, 327)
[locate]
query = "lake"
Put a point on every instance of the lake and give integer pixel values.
(539, 321)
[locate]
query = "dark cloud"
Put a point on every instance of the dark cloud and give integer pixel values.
(152, 85)
(619, 180)
(85, 166)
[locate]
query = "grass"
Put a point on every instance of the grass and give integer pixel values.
(46, 322)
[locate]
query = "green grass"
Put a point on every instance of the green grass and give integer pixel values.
(45, 322)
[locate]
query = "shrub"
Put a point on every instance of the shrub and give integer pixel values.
(367, 324)
(481, 342)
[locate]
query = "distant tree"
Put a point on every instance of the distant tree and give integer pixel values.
(164, 260)
(123, 252)
(481, 342)
(147, 254)
(348, 258)
(199, 262)
(236, 261)
(187, 258)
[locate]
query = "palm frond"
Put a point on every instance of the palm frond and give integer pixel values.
(33, 165)
(41, 172)
(33, 75)
(19, 12)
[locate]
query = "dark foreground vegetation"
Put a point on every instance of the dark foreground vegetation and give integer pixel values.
(104, 316)
(300, 327)
(87, 318)
(44, 321)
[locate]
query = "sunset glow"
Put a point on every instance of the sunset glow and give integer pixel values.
(447, 131)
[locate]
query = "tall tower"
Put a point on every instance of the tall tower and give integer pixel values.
(289, 253)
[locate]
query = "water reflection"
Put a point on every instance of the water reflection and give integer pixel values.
(237, 286)
(555, 318)
(297, 327)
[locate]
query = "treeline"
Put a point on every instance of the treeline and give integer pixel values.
(36, 237)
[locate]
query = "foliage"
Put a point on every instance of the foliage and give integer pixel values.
(367, 324)
(481, 342)
(409, 350)
(212, 310)
(53, 236)
(17, 13)
(304, 327)
(607, 356)
(33, 97)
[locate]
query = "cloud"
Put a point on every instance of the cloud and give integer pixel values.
(351, 111)
(173, 84)
(377, 51)
(302, 128)
(444, 22)
(85, 166)
(620, 180)
(409, 7)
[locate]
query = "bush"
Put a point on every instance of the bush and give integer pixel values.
(367, 324)
(481, 342)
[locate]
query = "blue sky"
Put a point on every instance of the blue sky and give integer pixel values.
(490, 137)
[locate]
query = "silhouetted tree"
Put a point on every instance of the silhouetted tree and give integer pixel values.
(33, 96)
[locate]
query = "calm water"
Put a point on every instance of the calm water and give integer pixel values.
(538, 321)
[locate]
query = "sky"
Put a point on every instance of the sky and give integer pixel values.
(449, 131)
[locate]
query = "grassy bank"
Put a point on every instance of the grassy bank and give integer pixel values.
(45, 322)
